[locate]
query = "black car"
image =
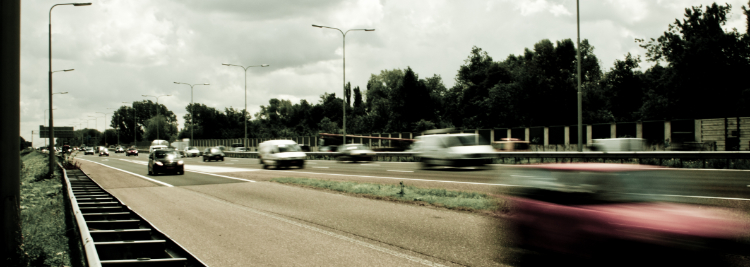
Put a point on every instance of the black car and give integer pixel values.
(161, 161)
(213, 153)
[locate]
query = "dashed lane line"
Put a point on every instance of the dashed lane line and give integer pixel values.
(138, 175)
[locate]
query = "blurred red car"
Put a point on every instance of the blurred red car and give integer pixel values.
(608, 212)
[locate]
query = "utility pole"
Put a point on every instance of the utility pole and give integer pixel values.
(10, 108)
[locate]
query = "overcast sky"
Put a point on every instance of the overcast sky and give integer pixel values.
(121, 50)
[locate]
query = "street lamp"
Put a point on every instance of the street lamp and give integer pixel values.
(51, 126)
(580, 101)
(118, 126)
(104, 131)
(192, 117)
(96, 124)
(157, 112)
(43, 121)
(344, 54)
(244, 113)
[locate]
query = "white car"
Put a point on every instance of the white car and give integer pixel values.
(457, 150)
(191, 151)
(281, 153)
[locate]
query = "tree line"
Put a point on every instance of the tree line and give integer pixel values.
(697, 73)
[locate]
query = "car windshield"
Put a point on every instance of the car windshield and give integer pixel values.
(159, 154)
(289, 148)
(462, 140)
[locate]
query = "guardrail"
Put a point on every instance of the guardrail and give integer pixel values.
(519, 157)
(92, 257)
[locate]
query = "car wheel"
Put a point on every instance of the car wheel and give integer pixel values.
(425, 164)
(182, 173)
(265, 166)
(149, 172)
(204, 159)
(222, 159)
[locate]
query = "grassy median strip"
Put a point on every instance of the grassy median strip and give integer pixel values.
(436, 197)
(45, 242)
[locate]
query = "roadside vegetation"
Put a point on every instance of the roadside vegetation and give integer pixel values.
(43, 216)
(451, 199)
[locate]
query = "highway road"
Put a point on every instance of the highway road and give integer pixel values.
(227, 214)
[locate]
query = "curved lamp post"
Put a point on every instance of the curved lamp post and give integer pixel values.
(192, 117)
(157, 111)
(344, 54)
(51, 126)
(244, 113)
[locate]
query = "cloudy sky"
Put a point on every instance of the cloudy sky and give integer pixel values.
(121, 50)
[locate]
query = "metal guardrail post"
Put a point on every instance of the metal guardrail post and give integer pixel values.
(92, 257)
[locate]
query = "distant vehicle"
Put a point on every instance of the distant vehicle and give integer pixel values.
(355, 152)
(66, 149)
(131, 152)
(281, 153)
(104, 152)
(158, 144)
(120, 149)
(615, 213)
(191, 151)
(241, 149)
(618, 144)
(112, 147)
(213, 153)
(222, 148)
(89, 150)
(511, 145)
(160, 161)
(457, 150)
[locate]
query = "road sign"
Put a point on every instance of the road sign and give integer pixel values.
(60, 132)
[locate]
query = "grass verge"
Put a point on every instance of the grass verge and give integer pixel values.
(43, 215)
(456, 200)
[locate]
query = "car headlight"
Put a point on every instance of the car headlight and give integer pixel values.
(180, 162)
(158, 163)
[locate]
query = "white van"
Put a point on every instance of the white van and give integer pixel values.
(281, 153)
(455, 150)
(618, 144)
(158, 144)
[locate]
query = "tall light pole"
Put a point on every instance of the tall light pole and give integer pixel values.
(192, 117)
(104, 131)
(578, 60)
(51, 126)
(157, 111)
(96, 124)
(244, 113)
(118, 125)
(43, 121)
(344, 54)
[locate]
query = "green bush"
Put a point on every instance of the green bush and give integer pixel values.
(45, 242)
(438, 197)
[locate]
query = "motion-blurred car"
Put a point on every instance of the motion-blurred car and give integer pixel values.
(131, 152)
(120, 149)
(355, 152)
(160, 161)
(616, 214)
(191, 151)
(213, 153)
(281, 153)
(510, 145)
(241, 149)
(618, 144)
(457, 150)
(104, 152)
(89, 150)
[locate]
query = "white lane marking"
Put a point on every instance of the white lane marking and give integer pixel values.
(202, 168)
(224, 176)
(331, 234)
(144, 177)
(398, 171)
(370, 164)
(228, 163)
(725, 198)
(321, 167)
(396, 178)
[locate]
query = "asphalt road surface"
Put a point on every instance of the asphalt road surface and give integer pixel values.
(227, 214)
